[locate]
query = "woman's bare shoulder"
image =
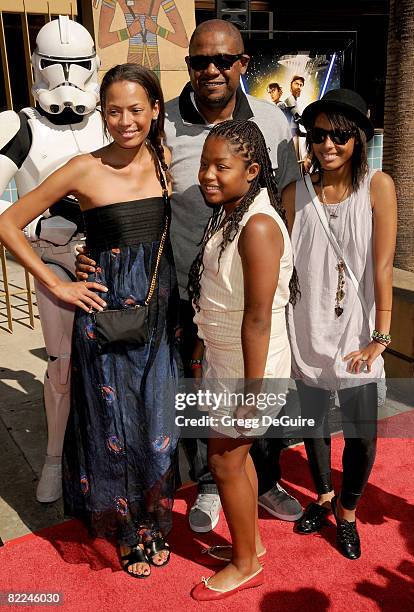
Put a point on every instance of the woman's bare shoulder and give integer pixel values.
(260, 227)
(382, 190)
(382, 185)
(82, 163)
(382, 180)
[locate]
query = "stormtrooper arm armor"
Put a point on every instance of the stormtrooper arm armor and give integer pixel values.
(9, 128)
(7, 171)
(15, 145)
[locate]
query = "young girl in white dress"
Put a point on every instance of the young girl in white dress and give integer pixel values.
(239, 284)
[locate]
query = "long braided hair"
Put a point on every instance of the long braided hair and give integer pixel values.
(148, 81)
(247, 141)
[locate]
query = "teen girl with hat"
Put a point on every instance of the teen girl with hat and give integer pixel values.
(343, 239)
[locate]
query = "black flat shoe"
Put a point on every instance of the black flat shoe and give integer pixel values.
(313, 519)
(346, 535)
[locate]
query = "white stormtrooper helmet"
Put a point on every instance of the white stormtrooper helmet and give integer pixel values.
(65, 68)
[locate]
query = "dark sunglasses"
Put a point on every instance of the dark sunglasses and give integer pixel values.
(222, 61)
(339, 137)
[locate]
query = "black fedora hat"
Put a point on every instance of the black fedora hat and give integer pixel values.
(345, 102)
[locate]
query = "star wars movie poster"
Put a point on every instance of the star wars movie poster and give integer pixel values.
(293, 69)
(319, 71)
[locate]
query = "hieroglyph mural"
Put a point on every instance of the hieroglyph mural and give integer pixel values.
(154, 33)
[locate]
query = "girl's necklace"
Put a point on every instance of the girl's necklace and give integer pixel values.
(340, 266)
(333, 209)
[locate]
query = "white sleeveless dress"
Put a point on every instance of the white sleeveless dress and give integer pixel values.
(319, 339)
(221, 312)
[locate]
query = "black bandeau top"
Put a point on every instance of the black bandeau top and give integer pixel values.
(124, 223)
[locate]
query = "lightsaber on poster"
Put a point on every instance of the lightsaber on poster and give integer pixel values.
(327, 76)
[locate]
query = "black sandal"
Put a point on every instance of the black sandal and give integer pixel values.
(135, 555)
(154, 546)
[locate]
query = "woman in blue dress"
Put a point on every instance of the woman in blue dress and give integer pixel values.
(120, 447)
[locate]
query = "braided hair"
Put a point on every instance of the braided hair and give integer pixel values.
(247, 141)
(150, 83)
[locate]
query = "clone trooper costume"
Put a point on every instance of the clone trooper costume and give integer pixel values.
(33, 144)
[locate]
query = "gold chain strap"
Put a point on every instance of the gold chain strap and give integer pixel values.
(163, 237)
(157, 263)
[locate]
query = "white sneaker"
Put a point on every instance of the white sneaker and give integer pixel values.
(49, 488)
(205, 513)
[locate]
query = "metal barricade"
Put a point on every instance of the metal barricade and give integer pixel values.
(10, 290)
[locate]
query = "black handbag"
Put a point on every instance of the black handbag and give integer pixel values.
(130, 325)
(127, 325)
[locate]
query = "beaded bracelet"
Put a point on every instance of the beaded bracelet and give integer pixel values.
(383, 338)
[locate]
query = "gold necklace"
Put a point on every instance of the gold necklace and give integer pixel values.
(340, 266)
(332, 210)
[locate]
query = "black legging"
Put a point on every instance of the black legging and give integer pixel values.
(359, 411)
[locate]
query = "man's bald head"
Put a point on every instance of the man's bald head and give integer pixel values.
(217, 26)
(215, 86)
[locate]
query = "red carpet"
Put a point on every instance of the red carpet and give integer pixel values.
(303, 573)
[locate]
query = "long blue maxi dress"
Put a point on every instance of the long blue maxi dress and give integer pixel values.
(119, 459)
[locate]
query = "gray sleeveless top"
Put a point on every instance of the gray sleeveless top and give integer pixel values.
(319, 339)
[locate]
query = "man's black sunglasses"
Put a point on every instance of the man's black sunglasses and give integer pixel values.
(222, 61)
(340, 137)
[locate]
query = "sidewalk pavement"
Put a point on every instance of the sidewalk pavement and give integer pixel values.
(23, 423)
(22, 420)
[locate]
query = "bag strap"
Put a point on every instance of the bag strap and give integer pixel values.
(166, 199)
(334, 242)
